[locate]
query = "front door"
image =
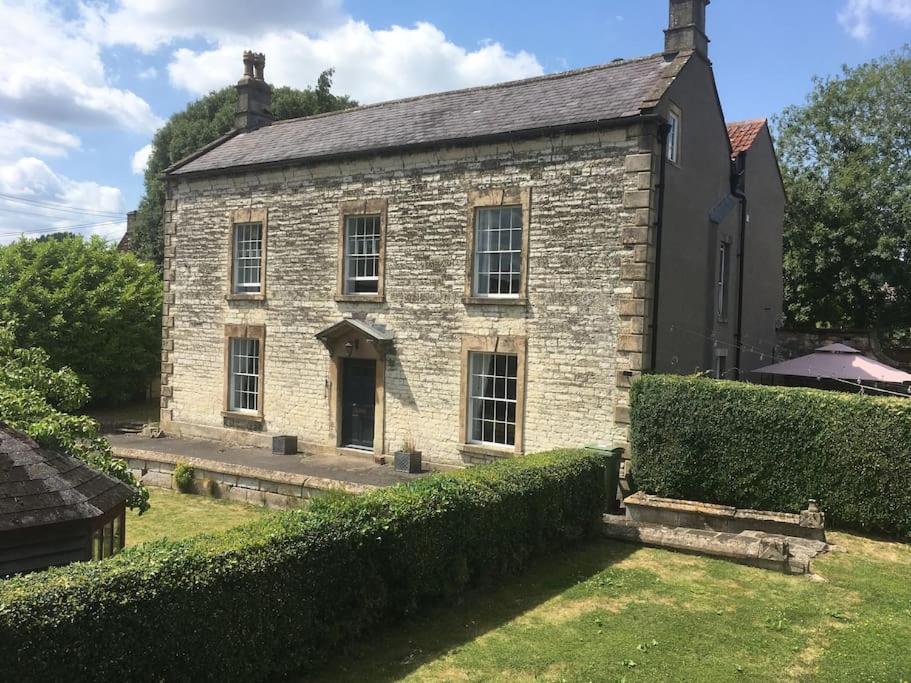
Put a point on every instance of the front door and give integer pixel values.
(358, 402)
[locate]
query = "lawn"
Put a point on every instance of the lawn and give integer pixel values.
(178, 515)
(616, 612)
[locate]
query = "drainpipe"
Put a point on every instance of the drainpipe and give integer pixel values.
(664, 129)
(738, 184)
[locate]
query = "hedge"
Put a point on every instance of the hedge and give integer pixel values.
(773, 448)
(284, 593)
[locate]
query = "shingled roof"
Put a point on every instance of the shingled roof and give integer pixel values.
(591, 96)
(744, 133)
(39, 487)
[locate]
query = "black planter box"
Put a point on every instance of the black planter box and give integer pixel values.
(284, 445)
(406, 461)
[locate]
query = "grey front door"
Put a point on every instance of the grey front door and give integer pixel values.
(358, 402)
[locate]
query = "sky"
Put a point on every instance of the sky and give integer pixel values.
(85, 84)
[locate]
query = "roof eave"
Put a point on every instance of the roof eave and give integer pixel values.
(523, 134)
(169, 171)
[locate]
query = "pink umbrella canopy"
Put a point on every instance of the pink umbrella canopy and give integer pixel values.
(838, 361)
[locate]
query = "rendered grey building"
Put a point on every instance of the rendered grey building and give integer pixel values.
(480, 272)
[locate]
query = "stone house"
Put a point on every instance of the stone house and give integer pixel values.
(478, 272)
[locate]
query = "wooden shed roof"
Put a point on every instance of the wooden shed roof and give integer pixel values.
(40, 487)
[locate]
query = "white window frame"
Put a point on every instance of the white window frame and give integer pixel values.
(252, 351)
(241, 221)
(499, 198)
(498, 385)
(362, 248)
(249, 236)
(511, 251)
(357, 209)
(673, 136)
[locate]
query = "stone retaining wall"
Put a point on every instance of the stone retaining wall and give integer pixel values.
(239, 483)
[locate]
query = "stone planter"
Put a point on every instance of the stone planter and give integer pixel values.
(284, 445)
(408, 461)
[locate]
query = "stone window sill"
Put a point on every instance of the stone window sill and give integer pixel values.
(360, 298)
(490, 451)
(247, 417)
(494, 301)
(245, 297)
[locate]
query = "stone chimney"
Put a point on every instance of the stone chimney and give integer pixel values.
(686, 28)
(254, 95)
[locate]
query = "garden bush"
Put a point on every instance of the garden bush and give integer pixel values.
(89, 306)
(773, 448)
(42, 402)
(284, 593)
(183, 477)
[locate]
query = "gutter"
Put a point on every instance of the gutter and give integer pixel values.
(664, 129)
(738, 174)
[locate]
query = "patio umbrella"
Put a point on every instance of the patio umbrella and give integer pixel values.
(839, 362)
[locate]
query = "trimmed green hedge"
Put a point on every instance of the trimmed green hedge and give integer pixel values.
(281, 594)
(773, 448)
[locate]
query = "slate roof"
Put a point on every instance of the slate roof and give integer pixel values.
(590, 96)
(744, 133)
(39, 487)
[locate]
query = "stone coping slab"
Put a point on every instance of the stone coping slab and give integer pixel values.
(646, 508)
(353, 469)
(234, 470)
(769, 551)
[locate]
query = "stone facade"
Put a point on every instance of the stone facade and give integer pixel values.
(584, 325)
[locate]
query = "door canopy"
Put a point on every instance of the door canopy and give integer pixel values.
(338, 336)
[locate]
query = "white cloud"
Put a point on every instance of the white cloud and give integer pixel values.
(148, 24)
(370, 65)
(30, 137)
(34, 180)
(148, 74)
(53, 73)
(857, 15)
(141, 159)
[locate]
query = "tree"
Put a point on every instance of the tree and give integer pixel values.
(90, 307)
(37, 400)
(846, 161)
(202, 122)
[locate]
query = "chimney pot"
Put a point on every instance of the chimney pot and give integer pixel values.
(254, 95)
(248, 64)
(259, 65)
(686, 28)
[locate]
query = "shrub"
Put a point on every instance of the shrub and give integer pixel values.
(38, 401)
(283, 593)
(183, 477)
(774, 448)
(90, 307)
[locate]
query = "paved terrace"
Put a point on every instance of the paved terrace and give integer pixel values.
(253, 475)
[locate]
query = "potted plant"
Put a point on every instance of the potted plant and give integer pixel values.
(408, 458)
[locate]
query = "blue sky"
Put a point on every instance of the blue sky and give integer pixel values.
(86, 84)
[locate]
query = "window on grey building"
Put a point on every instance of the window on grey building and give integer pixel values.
(362, 254)
(673, 137)
(721, 365)
(248, 258)
(244, 390)
(492, 398)
(498, 251)
(721, 284)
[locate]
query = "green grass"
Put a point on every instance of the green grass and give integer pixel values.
(178, 515)
(616, 612)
